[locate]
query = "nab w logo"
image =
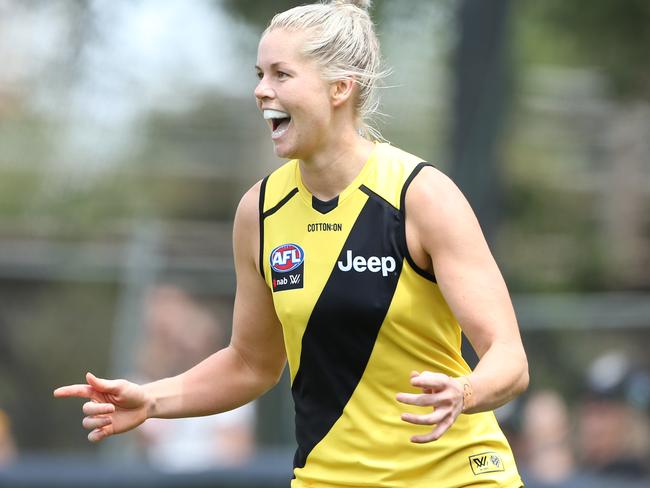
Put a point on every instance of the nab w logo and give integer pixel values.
(486, 462)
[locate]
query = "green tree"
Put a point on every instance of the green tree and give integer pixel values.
(610, 34)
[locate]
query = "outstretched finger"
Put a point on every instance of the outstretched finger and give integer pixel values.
(433, 381)
(100, 433)
(434, 435)
(94, 408)
(424, 438)
(419, 399)
(80, 391)
(427, 419)
(91, 423)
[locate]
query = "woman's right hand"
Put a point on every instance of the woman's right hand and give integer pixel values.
(115, 406)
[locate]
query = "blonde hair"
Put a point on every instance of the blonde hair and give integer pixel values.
(341, 39)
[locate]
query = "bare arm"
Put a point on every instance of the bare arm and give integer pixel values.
(233, 376)
(445, 237)
(255, 358)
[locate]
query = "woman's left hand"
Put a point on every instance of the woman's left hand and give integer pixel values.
(439, 391)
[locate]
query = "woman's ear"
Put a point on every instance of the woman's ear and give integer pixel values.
(341, 91)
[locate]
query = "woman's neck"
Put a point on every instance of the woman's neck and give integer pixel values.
(329, 172)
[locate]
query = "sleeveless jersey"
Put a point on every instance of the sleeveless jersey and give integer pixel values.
(358, 316)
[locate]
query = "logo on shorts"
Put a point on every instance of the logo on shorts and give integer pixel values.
(287, 267)
(486, 462)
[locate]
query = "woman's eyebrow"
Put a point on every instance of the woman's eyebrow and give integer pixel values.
(274, 65)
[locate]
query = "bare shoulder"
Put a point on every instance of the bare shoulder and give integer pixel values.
(246, 236)
(248, 208)
(434, 201)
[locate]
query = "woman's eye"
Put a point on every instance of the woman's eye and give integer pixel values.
(260, 75)
(282, 74)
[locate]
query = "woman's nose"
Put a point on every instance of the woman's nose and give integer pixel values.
(263, 90)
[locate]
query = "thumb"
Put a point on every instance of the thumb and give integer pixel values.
(102, 385)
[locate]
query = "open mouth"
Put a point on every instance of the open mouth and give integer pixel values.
(279, 121)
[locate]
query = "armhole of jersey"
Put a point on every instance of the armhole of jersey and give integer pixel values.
(261, 220)
(402, 205)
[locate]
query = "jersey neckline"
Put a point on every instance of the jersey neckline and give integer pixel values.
(327, 206)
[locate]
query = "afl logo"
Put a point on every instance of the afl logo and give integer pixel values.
(287, 257)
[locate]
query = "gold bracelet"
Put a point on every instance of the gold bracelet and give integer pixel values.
(468, 399)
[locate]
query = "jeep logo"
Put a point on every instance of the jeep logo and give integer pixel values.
(373, 264)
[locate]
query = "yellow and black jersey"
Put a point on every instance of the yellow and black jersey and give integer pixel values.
(358, 315)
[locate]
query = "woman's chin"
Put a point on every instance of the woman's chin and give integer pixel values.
(283, 151)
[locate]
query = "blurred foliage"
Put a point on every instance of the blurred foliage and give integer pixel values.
(259, 13)
(579, 67)
(151, 184)
(612, 35)
(550, 239)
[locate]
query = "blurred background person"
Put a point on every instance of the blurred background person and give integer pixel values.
(613, 425)
(179, 332)
(8, 450)
(546, 455)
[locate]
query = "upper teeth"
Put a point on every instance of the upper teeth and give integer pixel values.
(275, 114)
